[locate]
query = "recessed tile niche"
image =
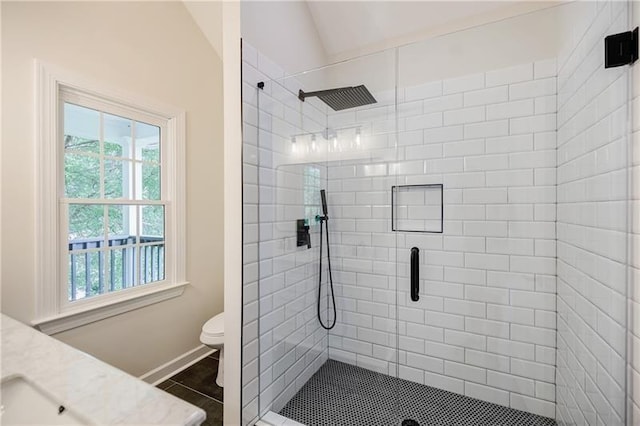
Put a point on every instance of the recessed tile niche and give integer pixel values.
(417, 208)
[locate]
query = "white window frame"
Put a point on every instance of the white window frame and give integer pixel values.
(53, 313)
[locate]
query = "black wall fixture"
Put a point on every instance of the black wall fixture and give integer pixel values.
(342, 97)
(302, 233)
(415, 274)
(621, 49)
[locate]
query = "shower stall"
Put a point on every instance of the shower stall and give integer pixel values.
(441, 233)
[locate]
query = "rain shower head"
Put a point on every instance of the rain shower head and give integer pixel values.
(342, 98)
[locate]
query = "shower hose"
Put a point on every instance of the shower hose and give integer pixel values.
(333, 299)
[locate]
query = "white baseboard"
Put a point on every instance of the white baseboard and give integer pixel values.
(187, 359)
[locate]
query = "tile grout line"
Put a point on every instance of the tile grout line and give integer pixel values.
(196, 391)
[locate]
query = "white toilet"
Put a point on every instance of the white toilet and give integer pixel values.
(213, 336)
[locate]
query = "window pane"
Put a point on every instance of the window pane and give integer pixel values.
(81, 176)
(152, 244)
(86, 256)
(147, 142)
(86, 223)
(113, 149)
(122, 267)
(152, 262)
(117, 179)
(150, 181)
(153, 221)
(122, 242)
(86, 274)
(122, 221)
(117, 136)
(81, 129)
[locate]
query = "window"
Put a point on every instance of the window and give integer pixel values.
(112, 208)
(111, 202)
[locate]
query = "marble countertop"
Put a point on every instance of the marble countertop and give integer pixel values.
(93, 389)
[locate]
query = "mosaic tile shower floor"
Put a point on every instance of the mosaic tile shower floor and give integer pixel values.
(343, 394)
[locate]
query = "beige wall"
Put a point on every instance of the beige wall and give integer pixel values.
(153, 49)
(207, 15)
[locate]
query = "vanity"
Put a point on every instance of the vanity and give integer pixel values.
(44, 381)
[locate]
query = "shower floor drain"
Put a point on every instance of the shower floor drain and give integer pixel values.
(343, 394)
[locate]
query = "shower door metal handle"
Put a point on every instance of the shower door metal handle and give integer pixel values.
(415, 273)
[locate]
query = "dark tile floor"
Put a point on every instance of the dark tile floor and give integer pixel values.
(343, 394)
(197, 385)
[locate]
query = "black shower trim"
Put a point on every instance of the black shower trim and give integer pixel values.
(621, 49)
(425, 185)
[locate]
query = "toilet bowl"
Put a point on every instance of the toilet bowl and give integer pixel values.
(213, 336)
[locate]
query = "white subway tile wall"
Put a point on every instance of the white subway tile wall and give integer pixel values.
(283, 342)
(487, 292)
(591, 222)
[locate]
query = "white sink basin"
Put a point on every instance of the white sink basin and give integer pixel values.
(25, 404)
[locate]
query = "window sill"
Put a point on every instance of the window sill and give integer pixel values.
(96, 312)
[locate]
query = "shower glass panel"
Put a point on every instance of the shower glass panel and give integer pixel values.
(522, 296)
(312, 318)
(476, 228)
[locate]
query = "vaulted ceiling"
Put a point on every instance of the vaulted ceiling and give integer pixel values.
(348, 27)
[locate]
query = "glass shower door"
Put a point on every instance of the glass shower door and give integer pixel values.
(520, 312)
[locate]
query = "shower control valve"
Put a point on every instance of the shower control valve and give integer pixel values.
(302, 233)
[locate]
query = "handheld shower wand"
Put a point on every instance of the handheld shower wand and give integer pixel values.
(324, 203)
(325, 219)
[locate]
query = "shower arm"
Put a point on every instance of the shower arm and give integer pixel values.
(302, 94)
